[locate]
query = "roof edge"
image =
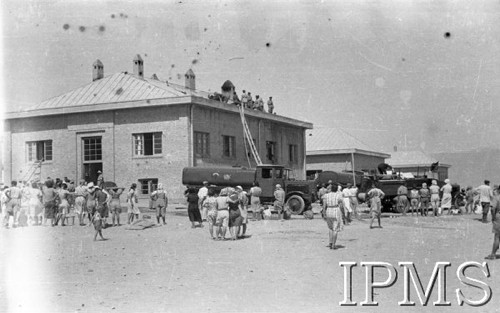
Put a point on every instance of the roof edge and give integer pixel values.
(350, 150)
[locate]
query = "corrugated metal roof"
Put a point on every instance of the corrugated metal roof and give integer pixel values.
(410, 158)
(119, 87)
(324, 139)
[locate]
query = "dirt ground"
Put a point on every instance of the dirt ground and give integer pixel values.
(282, 267)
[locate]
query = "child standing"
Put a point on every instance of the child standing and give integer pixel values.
(98, 225)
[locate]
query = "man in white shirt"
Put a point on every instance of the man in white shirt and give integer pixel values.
(485, 196)
(202, 194)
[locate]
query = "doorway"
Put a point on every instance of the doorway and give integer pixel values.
(92, 158)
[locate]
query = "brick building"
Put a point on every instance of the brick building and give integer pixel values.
(333, 149)
(143, 130)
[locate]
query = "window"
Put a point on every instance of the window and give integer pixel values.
(147, 144)
(293, 154)
(148, 185)
(271, 151)
(201, 144)
(228, 146)
(267, 173)
(39, 150)
(92, 149)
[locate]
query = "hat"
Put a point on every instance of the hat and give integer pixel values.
(160, 186)
(278, 186)
(434, 182)
(424, 185)
(205, 182)
(239, 187)
(99, 172)
(446, 181)
(90, 185)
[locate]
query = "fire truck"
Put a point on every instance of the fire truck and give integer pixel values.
(300, 194)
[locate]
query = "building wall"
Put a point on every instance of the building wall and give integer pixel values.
(209, 121)
(117, 128)
(341, 162)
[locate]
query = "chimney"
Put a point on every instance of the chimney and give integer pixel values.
(97, 70)
(190, 80)
(138, 66)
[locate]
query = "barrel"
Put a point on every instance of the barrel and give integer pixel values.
(230, 176)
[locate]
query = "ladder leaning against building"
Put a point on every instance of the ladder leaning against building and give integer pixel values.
(248, 138)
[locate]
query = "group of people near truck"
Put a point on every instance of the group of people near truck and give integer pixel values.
(228, 208)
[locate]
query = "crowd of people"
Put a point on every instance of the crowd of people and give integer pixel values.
(55, 202)
(338, 205)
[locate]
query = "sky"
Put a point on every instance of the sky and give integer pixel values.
(412, 74)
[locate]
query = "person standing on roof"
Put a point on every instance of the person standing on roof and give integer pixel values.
(244, 99)
(270, 105)
(259, 103)
(250, 100)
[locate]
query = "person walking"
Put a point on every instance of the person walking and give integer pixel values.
(103, 198)
(332, 214)
(434, 190)
(160, 196)
(375, 197)
(469, 200)
(133, 208)
(193, 210)
(354, 201)
(485, 196)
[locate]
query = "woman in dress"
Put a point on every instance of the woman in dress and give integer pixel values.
(375, 196)
(133, 208)
(50, 199)
(235, 218)
(210, 206)
(446, 199)
(193, 210)
(332, 214)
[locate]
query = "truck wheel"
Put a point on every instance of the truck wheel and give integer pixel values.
(296, 204)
